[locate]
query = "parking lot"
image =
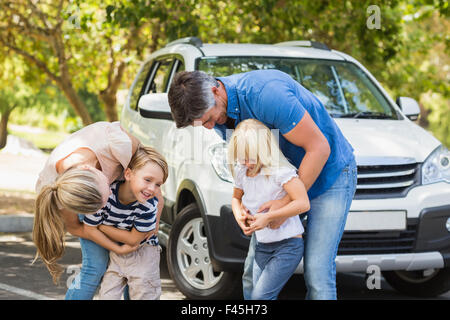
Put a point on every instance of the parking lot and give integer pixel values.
(20, 280)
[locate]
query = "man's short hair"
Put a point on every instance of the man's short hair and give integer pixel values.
(190, 96)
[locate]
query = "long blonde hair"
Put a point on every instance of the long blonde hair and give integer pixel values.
(75, 190)
(254, 141)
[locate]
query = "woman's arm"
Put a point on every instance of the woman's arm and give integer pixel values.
(73, 225)
(132, 237)
(299, 204)
(94, 234)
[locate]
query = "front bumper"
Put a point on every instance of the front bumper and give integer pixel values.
(402, 261)
(425, 244)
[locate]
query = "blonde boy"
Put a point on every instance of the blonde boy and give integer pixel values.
(130, 217)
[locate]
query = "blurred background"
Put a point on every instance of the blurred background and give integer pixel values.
(65, 64)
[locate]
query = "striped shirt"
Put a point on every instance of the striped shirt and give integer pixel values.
(141, 216)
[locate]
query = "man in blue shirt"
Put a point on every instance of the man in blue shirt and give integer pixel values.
(309, 138)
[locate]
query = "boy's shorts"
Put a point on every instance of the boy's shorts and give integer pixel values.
(138, 269)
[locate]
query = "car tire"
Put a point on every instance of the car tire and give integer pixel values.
(421, 283)
(189, 263)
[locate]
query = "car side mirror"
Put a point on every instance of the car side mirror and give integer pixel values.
(155, 106)
(410, 107)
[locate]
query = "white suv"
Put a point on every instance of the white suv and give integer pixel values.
(400, 216)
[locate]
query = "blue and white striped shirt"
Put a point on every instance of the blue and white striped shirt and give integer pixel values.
(141, 216)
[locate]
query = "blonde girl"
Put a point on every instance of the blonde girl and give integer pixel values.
(75, 180)
(261, 173)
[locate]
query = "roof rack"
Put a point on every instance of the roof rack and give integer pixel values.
(304, 43)
(187, 40)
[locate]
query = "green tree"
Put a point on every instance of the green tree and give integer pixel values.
(95, 48)
(421, 69)
(15, 93)
(90, 45)
(73, 45)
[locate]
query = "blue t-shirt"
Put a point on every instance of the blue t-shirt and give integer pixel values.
(141, 216)
(278, 101)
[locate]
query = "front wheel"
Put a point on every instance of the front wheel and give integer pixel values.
(421, 283)
(189, 263)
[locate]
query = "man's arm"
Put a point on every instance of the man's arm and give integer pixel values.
(299, 204)
(307, 135)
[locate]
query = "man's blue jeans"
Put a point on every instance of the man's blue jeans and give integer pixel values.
(274, 264)
(95, 261)
(325, 226)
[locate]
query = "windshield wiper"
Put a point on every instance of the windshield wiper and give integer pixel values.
(365, 115)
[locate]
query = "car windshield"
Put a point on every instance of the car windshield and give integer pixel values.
(342, 87)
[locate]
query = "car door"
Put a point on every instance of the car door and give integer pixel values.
(158, 132)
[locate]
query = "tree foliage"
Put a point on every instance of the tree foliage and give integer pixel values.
(89, 47)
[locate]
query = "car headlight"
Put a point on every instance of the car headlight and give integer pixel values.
(436, 167)
(218, 153)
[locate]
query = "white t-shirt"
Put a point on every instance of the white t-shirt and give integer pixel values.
(262, 188)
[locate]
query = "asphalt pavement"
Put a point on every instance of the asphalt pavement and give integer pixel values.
(21, 280)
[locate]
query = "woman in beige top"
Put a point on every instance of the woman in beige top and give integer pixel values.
(75, 180)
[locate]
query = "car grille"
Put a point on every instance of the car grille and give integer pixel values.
(386, 181)
(379, 242)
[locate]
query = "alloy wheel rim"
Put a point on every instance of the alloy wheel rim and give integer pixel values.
(193, 256)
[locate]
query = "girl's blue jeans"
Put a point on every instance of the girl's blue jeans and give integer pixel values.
(274, 264)
(325, 226)
(95, 261)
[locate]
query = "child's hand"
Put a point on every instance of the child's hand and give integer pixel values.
(260, 221)
(244, 220)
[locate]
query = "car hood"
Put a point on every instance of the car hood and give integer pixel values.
(387, 141)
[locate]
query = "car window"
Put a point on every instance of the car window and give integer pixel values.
(222, 66)
(178, 66)
(160, 76)
(342, 87)
(159, 81)
(137, 88)
(320, 80)
(356, 90)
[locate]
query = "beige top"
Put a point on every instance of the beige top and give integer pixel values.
(111, 145)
